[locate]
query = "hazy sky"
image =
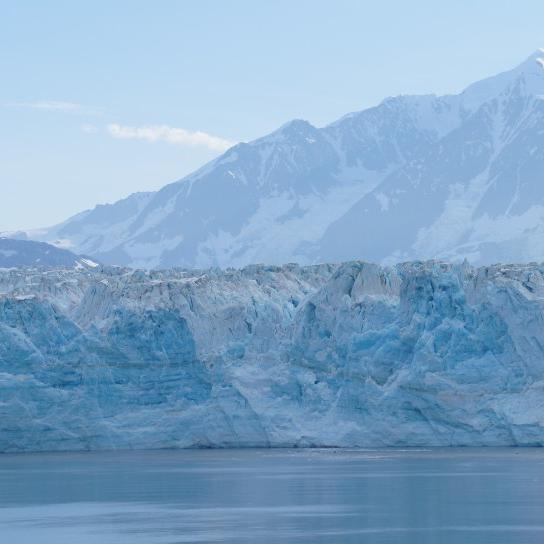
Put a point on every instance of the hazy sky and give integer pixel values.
(99, 99)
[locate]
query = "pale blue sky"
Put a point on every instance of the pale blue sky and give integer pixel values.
(76, 76)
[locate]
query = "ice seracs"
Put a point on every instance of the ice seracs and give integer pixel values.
(418, 354)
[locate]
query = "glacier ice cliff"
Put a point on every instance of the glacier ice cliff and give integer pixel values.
(415, 354)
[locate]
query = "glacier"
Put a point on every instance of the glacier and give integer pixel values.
(353, 355)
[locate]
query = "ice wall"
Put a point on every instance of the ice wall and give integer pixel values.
(356, 354)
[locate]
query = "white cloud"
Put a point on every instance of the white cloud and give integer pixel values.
(172, 135)
(54, 105)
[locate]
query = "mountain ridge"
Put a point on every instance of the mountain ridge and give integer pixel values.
(348, 190)
(16, 253)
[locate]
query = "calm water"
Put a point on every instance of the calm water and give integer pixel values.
(262, 496)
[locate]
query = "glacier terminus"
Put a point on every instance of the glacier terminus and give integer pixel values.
(357, 354)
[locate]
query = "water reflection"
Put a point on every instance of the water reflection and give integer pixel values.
(238, 496)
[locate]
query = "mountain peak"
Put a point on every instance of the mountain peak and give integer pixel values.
(529, 72)
(292, 130)
(531, 66)
(533, 57)
(296, 124)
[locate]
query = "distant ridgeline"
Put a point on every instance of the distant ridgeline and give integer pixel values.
(419, 354)
(17, 252)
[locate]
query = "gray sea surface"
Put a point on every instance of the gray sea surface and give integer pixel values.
(413, 496)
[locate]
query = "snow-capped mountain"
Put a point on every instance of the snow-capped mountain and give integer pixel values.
(415, 177)
(417, 354)
(17, 253)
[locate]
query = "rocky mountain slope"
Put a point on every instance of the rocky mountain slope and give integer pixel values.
(14, 253)
(415, 177)
(356, 354)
